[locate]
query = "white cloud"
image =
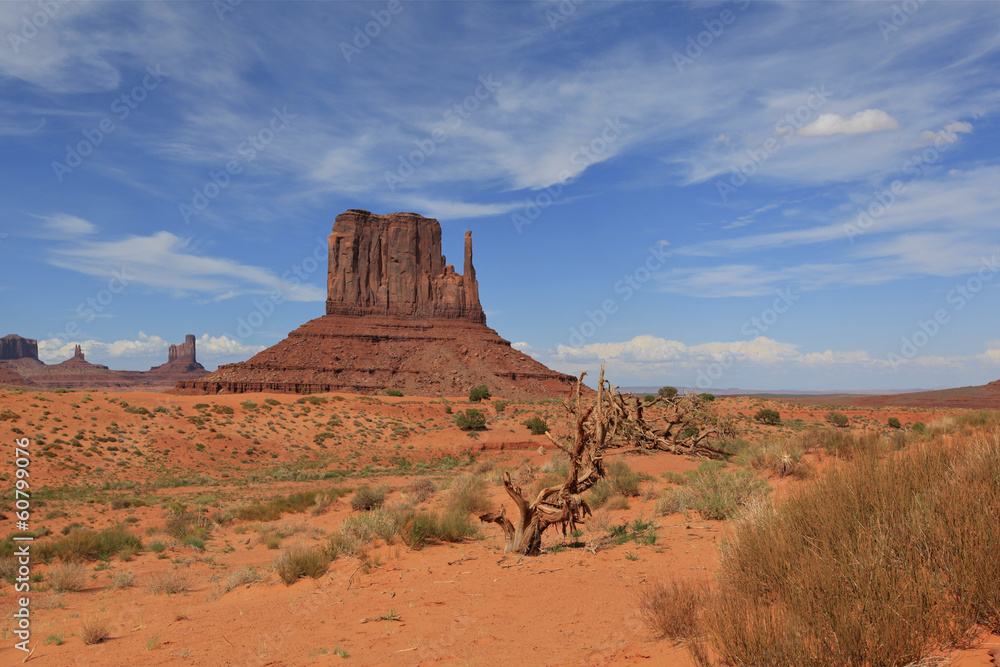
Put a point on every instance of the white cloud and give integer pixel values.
(167, 262)
(67, 225)
(863, 122)
(223, 346)
(717, 363)
(145, 346)
(948, 135)
(58, 349)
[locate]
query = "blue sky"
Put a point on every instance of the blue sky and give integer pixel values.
(732, 194)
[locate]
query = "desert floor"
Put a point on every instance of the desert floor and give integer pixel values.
(141, 460)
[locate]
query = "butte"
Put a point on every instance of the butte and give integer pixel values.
(398, 316)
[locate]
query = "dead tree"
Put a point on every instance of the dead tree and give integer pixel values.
(684, 427)
(610, 421)
(563, 503)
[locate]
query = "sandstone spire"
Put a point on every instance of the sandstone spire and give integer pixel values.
(185, 352)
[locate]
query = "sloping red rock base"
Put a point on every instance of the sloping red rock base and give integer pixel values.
(369, 354)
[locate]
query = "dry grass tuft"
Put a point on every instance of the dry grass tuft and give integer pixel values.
(169, 583)
(671, 608)
(879, 562)
(94, 629)
(68, 577)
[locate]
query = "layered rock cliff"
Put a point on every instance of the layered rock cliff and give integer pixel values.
(398, 317)
(13, 346)
(392, 265)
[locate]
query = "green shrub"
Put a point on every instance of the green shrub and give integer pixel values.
(86, 544)
(768, 417)
(471, 420)
(479, 393)
(601, 492)
(447, 409)
(621, 476)
(367, 497)
(919, 427)
(639, 531)
(649, 398)
(537, 426)
(393, 392)
(500, 406)
(667, 392)
(708, 398)
(838, 419)
(894, 422)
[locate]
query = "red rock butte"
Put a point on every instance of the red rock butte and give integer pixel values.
(398, 317)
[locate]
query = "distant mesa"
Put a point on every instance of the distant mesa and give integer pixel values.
(13, 347)
(398, 316)
(19, 364)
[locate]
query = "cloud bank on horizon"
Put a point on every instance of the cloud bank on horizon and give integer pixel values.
(822, 176)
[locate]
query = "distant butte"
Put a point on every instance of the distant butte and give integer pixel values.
(19, 364)
(398, 316)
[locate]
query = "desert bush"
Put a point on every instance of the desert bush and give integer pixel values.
(244, 576)
(8, 415)
(671, 608)
(68, 577)
(416, 528)
(621, 476)
(838, 419)
(8, 569)
(189, 526)
(638, 531)
(419, 490)
(894, 422)
(122, 578)
(299, 561)
(94, 629)
(366, 527)
(667, 392)
(479, 393)
(469, 493)
(877, 563)
(780, 458)
(86, 544)
(717, 494)
(500, 406)
(454, 526)
(600, 493)
(272, 510)
(447, 409)
(471, 420)
(537, 426)
(708, 398)
(768, 417)
(919, 427)
(168, 583)
(367, 497)
(673, 501)
(393, 392)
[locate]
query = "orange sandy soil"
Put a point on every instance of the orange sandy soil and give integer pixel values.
(464, 603)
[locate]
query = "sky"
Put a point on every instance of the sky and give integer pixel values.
(765, 195)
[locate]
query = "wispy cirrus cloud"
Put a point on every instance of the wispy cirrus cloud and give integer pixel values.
(169, 263)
